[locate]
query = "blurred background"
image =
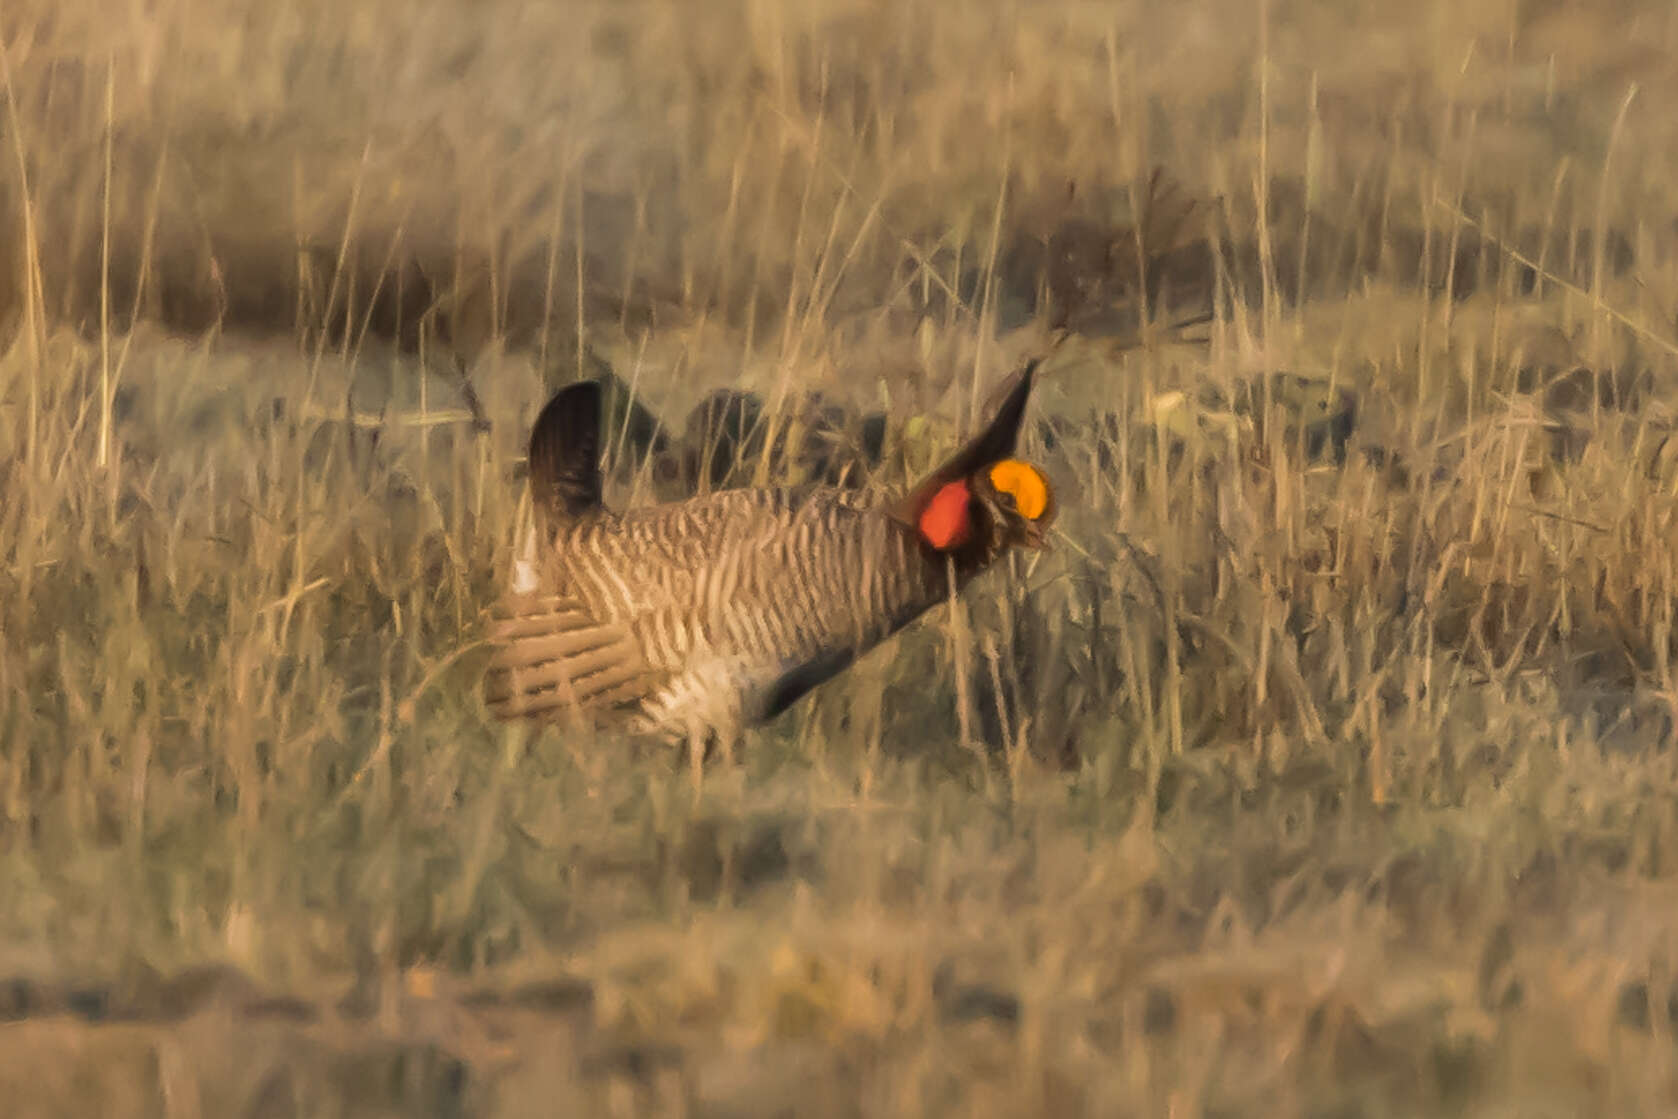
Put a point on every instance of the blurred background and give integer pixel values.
(1326, 768)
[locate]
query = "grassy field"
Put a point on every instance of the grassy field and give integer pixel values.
(1325, 768)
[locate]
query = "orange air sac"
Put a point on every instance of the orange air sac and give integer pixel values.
(947, 521)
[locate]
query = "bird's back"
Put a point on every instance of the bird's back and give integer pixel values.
(741, 601)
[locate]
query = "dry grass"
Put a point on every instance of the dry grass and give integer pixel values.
(1285, 786)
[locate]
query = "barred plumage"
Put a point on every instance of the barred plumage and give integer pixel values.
(696, 619)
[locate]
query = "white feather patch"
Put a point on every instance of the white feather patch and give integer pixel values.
(525, 578)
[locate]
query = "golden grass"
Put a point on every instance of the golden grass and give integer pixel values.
(1284, 786)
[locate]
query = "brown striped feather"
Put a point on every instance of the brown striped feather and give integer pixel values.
(764, 593)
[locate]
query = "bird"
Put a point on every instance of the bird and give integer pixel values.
(693, 620)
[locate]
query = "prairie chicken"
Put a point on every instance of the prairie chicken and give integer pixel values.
(693, 620)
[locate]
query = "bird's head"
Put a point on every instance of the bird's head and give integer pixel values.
(1005, 504)
(983, 500)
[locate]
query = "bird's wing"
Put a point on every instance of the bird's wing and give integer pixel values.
(554, 656)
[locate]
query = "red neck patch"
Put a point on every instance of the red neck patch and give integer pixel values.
(947, 522)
